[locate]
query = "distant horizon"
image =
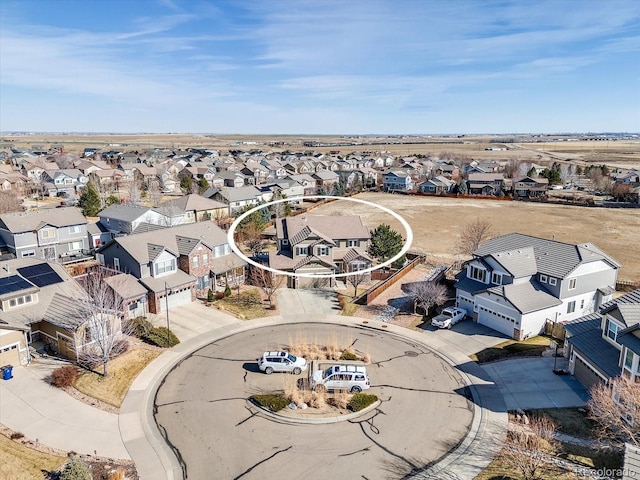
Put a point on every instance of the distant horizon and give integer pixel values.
(387, 135)
(314, 68)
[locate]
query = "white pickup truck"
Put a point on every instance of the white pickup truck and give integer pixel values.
(449, 317)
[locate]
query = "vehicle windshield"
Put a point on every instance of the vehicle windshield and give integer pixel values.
(291, 357)
(447, 313)
(327, 372)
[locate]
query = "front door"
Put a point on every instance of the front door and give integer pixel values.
(49, 253)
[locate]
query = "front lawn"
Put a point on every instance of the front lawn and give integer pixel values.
(568, 420)
(531, 347)
(246, 306)
(19, 462)
(122, 371)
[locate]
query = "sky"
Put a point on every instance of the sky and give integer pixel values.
(319, 66)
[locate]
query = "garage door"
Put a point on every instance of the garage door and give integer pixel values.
(585, 374)
(9, 355)
(496, 323)
(176, 298)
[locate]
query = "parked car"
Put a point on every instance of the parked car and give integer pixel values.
(449, 317)
(281, 361)
(352, 378)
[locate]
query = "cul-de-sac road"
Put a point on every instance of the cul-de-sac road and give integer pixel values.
(202, 408)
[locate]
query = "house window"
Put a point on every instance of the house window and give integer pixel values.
(116, 263)
(543, 279)
(478, 274)
(572, 283)
(205, 258)
(612, 330)
(285, 241)
(16, 302)
(496, 278)
(571, 306)
(166, 266)
(75, 246)
(323, 251)
(302, 250)
(628, 359)
(74, 229)
(353, 243)
(46, 234)
(581, 304)
(29, 253)
(195, 262)
(553, 282)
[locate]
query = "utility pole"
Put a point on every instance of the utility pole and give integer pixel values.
(166, 298)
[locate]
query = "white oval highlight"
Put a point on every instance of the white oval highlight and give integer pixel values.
(236, 250)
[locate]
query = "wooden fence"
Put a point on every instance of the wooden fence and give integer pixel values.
(555, 330)
(367, 297)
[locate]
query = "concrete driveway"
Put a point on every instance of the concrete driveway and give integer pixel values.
(465, 337)
(307, 301)
(191, 320)
(527, 383)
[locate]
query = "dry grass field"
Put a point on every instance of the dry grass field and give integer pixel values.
(436, 221)
(623, 153)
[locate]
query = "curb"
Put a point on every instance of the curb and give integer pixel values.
(313, 421)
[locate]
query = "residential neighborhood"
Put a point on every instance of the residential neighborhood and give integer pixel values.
(151, 227)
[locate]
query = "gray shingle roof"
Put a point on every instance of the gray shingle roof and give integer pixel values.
(332, 227)
(519, 263)
(137, 244)
(226, 262)
(126, 212)
(174, 280)
(126, 286)
(193, 202)
(631, 297)
(586, 337)
(237, 194)
(629, 338)
(526, 297)
(31, 220)
(553, 258)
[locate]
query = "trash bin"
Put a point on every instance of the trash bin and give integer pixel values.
(7, 372)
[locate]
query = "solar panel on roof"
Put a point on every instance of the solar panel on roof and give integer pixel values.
(14, 283)
(40, 275)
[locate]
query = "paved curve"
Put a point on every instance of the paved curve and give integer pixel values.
(155, 459)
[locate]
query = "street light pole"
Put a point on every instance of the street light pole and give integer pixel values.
(166, 298)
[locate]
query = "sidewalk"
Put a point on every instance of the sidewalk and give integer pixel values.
(31, 406)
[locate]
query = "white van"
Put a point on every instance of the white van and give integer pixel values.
(352, 378)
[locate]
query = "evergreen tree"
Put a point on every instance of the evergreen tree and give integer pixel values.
(203, 185)
(186, 184)
(386, 243)
(89, 201)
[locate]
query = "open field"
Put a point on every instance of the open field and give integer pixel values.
(436, 221)
(623, 153)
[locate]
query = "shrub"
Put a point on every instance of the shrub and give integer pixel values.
(64, 376)
(227, 290)
(16, 436)
(342, 301)
(272, 401)
(117, 475)
(76, 469)
(341, 398)
(158, 336)
(250, 298)
(361, 400)
(219, 295)
(210, 296)
(140, 326)
(348, 355)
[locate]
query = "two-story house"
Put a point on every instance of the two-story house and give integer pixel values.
(606, 344)
(40, 304)
(528, 187)
(65, 182)
(307, 181)
(517, 283)
(485, 183)
(175, 264)
(325, 179)
(397, 181)
(437, 185)
(52, 234)
(323, 245)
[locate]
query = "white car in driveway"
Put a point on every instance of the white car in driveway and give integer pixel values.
(449, 317)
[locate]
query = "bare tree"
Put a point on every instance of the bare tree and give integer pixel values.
(527, 447)
(135, 195)
(355, 279)
(9, 202)
(616, 410)
(267, 281)
(155, 195)
(426, 295)
(473, 235)
(104, 330)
